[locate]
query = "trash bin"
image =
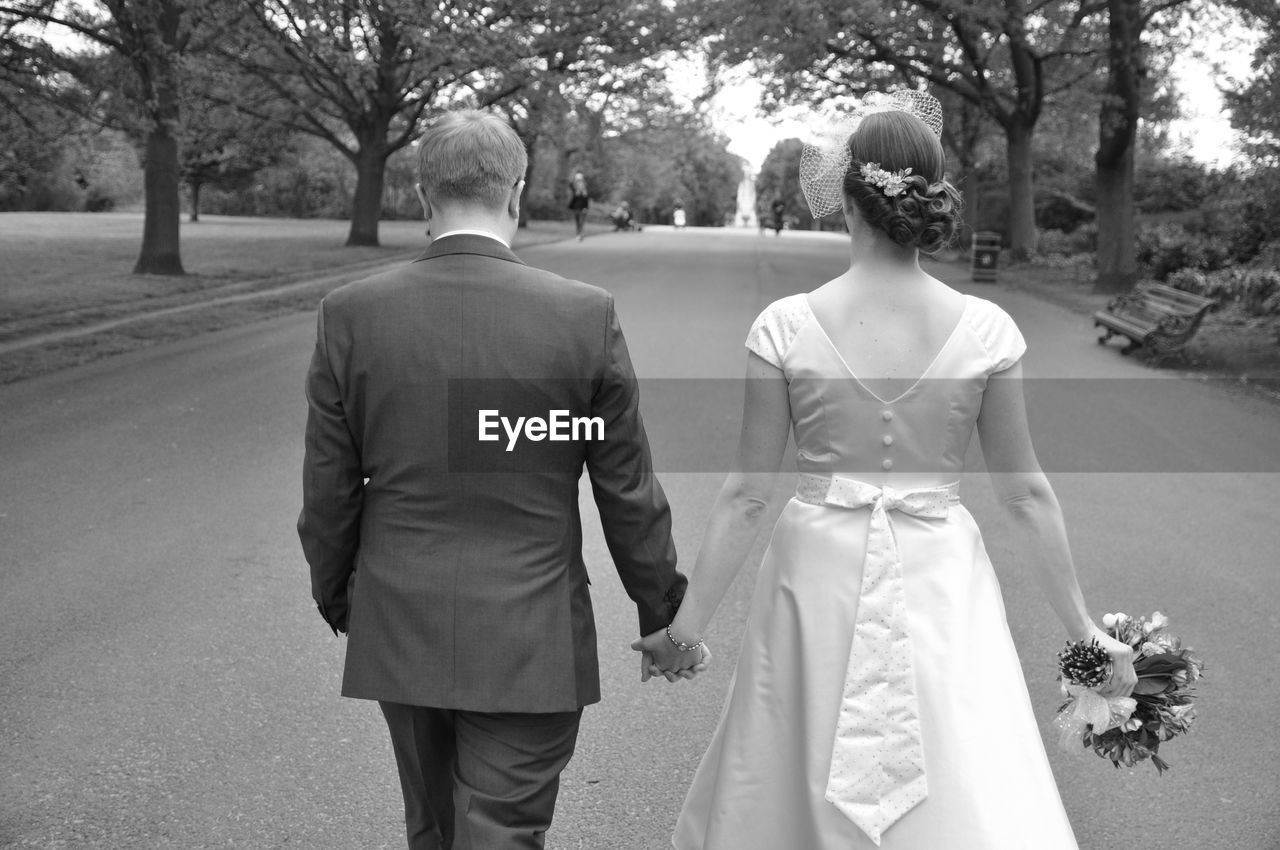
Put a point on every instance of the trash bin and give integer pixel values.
(986, 256)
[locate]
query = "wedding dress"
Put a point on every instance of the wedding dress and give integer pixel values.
(764, 781)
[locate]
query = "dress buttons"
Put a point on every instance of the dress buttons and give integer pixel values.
(886, 464)
(887, 439)
(886, 415)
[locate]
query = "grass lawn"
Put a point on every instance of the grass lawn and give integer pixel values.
(54, 262)
(63, 271)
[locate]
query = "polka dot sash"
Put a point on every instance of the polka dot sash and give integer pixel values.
(877, 765)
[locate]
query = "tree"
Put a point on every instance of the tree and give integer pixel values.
(225, 148)
(363, 74)
(592, 57)
(152, 38)
(30, 122)
(1006, 57)
(1120, 110)
(779, 179)
(675, 157)
(708, 178)
(963, 133)
(223, 145)
(1255, 104)
(357, 75)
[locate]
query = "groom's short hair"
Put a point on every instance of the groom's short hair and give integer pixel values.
(471, 155)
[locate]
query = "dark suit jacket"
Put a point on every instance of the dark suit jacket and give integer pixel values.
(456, 568)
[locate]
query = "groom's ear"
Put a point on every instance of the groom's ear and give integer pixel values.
(513, 202)
(422, 196)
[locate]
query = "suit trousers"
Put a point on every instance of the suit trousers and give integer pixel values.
(479, 781)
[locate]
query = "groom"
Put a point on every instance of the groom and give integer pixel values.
(440, 520)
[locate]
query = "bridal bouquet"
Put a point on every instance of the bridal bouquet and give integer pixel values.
(1128, 729)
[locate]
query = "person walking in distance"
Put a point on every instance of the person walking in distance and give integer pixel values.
(579, 201)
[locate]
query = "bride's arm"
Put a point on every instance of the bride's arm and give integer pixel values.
(743, 502)
(1024, 490)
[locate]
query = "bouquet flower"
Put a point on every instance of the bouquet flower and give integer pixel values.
(1128, 730)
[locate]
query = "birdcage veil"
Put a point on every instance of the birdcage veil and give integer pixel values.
(825, 160)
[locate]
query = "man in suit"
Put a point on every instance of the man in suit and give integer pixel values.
(446, 540)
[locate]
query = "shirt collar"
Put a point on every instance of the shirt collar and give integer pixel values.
(462, 231)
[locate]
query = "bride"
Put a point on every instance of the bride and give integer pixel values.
(878, 698)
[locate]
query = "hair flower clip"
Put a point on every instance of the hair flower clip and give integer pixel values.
(890, 183)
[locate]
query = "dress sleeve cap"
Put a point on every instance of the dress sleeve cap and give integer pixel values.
(1001, 337)
(775, 328)
(763, 341)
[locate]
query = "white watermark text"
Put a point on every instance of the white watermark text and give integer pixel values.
(557, 427)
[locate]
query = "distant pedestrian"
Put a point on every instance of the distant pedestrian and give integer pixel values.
(677, 216)
(778, 209)
(579, 201)
(621, 217)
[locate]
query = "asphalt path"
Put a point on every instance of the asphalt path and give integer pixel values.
(166, 682)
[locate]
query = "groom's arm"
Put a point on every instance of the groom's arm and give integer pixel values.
(332, 489)
(633, 509)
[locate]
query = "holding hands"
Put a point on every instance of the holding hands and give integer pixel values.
(662, 654)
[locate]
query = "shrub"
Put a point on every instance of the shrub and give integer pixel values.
(98, 200)
(1261, 295)
(1268, 256)
(1075, 250)
(1080, 263)
(1084, 239)
(1062, 212)
(1190, 280)
(1055, 242)
(1166, 248)
(1257, 291)
(1174, 183)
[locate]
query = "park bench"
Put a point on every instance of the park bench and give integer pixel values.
(1153, 316)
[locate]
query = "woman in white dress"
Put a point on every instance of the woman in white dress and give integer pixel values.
(877, 673)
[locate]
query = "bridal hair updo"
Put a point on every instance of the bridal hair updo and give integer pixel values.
(926, 213)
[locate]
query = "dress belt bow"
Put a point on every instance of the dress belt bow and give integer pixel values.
(877, 763)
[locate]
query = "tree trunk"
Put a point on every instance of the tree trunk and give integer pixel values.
(962, 135)
(162, 188)
(195, 200)
(1117, 230)
(156, 62)
(1022, 199)
(970, 190)
(594, 143)
(529, 134)
(1117, 135)
(530, 143)
(371, 165)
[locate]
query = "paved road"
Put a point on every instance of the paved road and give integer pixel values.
(165, 681)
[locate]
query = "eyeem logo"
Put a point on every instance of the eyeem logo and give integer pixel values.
(558, 427)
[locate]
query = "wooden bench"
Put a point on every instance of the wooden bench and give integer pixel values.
(1153, 316)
